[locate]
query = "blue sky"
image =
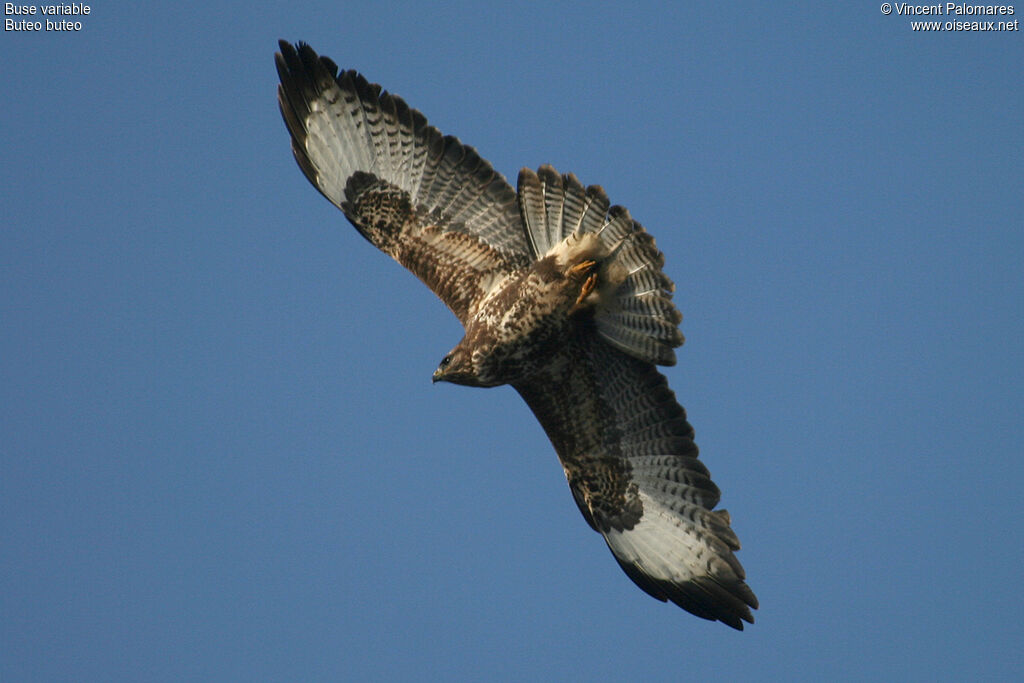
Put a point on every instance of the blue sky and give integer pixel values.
(221, 455)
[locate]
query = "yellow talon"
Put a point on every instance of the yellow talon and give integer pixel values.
(588, 286)
(582, 268)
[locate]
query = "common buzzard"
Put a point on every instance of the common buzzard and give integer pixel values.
(561, 295)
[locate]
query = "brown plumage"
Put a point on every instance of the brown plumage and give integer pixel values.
(561, 296)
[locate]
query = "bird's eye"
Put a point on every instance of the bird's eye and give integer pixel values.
(446, 361)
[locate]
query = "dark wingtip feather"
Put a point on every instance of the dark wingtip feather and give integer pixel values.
(297, 87)
(703, 597)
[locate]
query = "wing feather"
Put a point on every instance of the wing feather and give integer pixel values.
(631, 463)
(429, 201)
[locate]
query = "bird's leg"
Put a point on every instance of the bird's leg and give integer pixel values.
(587, 288)
(583, 269)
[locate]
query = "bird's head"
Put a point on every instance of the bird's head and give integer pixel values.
(457, 368)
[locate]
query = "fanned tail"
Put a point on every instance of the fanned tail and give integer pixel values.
(633, 308)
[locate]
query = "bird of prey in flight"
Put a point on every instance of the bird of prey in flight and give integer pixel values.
(562, 296)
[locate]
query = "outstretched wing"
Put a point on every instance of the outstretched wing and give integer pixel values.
(631, 462)
(425, 199)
